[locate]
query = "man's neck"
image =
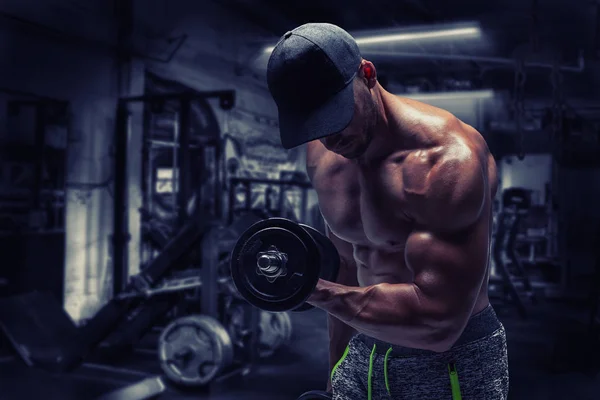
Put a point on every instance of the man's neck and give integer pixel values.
(383, 134)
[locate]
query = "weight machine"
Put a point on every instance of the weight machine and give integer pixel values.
(512, 282)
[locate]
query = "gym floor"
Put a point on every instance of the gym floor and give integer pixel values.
(303, 365)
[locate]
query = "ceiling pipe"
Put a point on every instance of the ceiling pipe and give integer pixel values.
(580, 67)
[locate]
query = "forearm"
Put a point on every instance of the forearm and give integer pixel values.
(391, 313)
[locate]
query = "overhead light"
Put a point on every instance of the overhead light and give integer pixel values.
(473, 31)
(399, 37)
(463, 95)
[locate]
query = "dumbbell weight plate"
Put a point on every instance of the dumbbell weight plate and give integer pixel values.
(193, 350)
(301, 271)
(330, 260)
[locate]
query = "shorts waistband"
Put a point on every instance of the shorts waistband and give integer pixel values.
(480, 325)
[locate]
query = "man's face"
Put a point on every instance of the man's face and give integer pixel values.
(353, 141)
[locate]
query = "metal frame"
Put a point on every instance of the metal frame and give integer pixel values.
(121, 234)
(283, 186)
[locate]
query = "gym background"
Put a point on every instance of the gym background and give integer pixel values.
(138, 139)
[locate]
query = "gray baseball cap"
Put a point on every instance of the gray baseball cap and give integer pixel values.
(310, 75)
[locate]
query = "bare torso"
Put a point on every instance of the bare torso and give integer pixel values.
(362, 202)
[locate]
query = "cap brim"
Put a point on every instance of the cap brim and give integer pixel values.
(331, 117)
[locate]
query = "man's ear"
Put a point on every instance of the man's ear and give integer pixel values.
(368, 73)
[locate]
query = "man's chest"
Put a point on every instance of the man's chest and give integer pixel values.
(363, 205)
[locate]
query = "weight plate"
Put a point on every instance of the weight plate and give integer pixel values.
(193, 350)
(287, 323)
(330, 260)
(237, 325)
(244, 221)
(275, 332)
(294, 278)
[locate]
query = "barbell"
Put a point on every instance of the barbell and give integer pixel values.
(276, 264)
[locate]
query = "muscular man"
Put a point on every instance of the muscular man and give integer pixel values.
(406, 191)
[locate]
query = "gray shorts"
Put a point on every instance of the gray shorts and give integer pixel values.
(475, 368)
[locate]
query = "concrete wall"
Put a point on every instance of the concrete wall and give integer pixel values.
(83, 72)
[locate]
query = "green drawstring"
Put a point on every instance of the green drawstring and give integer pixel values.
(335, 367)
(454, 382)
(370, 388)
(385, 371)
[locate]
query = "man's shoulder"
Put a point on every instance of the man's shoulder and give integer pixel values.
(445, 185)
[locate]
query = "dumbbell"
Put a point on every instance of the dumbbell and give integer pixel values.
(276, 264)
(316, 395)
